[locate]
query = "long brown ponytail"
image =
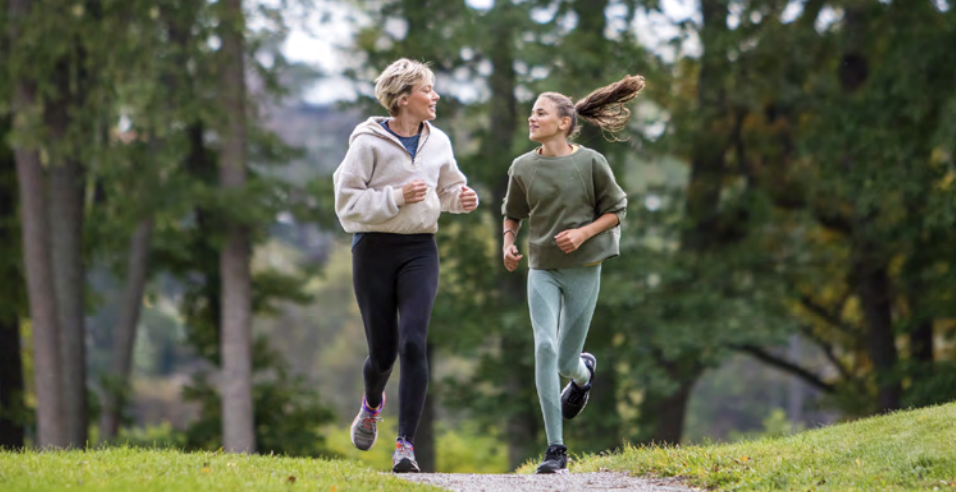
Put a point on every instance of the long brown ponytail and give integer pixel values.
(603, 107)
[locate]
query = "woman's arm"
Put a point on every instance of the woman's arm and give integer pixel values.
(572, 239)
(509, 250)
(354, 200)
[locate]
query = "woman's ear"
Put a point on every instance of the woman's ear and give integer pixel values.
(565, 123)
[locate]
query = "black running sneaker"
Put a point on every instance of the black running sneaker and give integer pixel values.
(574, 397)
(555, 460)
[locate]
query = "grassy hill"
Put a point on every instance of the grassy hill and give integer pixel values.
(911, 450)
(908, 450)
(126, 469)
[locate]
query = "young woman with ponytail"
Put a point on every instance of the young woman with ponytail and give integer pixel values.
(574, 208)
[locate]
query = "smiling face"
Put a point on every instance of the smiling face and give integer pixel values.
(421, 103)
(545, 124)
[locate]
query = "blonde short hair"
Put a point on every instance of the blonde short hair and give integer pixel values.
(399, 79)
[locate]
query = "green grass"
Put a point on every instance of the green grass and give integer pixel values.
(911, 450)
(465, 449)
(126, 469)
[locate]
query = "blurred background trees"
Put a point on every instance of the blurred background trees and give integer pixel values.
(166, 230)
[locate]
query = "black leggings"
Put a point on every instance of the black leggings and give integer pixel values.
(396, 279)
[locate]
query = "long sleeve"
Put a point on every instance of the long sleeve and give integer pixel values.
(354, 201)
(609, 197)
(450, 182)
(515, 204)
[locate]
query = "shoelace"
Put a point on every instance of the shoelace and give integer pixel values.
(368, 421)
(404, 451)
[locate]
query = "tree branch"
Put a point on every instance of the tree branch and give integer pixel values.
(827, 350)
(785, 366)
(821, 311)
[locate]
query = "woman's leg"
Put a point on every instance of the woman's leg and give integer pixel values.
(373, 276)
(417, 288)
(544, 303)
(581, 287)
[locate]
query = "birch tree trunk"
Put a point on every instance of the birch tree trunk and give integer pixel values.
(236, 340)
(51, 424)
(66, 241)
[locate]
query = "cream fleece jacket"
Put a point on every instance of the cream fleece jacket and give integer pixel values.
(368, 182)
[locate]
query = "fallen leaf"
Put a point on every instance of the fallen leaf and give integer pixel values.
(291, 479)
(205, 469)
(745, 458)
(333, 489)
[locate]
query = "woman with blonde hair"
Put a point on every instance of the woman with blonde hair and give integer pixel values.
(574, 208)
(398, 176)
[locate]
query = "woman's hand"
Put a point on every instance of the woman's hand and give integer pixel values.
(468, 199)
(512, 257)
(571, 239)
(415, 191)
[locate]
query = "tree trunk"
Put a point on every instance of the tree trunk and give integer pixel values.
(921, 337)
(124, 333)
(11, 363)
(702, 201)
(524, 419)
(870, 270)
(921, 343)
(662, 414)
(11, 381)
(425, 437)
(670, 411)
(66, 235)
(51, 422)
(873, 288)
(234, 262)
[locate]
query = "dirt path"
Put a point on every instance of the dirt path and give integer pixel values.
(569, 482)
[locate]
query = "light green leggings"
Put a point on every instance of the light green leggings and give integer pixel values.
(561, 304)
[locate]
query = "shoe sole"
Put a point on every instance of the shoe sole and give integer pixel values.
(360, 448)
(566, 417)
(405, 466)
(593, 369)
(556, 472)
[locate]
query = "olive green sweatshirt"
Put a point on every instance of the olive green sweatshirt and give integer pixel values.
(560, 193)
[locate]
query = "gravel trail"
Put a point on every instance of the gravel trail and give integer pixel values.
(568, 482)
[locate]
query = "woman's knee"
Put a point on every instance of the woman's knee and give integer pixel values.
(381, 364)
(413, 348)
(545, 348)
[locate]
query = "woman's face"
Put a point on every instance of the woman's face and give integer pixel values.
(544, 124)
(421, 102)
